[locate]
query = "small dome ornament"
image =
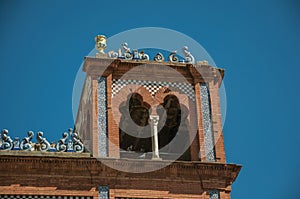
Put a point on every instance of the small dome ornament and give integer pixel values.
(127, 54)
(61, 145)
(42, 145)
(172, 57)
(26, 143)
(143, 55)
(113, 54)
(136, 54)
(100, 45)
(7, 141)
(159, 57)
(189, 58)
(77, 144)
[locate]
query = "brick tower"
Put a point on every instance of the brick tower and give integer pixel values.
(151, 129)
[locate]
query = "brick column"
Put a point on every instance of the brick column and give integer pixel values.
(217, 121)
(94, 133)
(112, 127)
(194, 139)
(225, 194)
(200, 130)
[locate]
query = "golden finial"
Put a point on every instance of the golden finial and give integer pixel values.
(100, 41)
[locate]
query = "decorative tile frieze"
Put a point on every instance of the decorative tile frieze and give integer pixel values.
(153, 86)
(207, 123)
(214, 194)
(102, 118)
(103, 192)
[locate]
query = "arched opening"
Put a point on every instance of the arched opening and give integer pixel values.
(174, 128)
(134, 128)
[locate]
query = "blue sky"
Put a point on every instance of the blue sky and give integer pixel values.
(43, 44)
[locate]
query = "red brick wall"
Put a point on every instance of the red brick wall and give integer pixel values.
(17, 189)
(65, 174)
(200, 129)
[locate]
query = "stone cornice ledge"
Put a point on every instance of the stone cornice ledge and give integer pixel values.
(105, 66)
(84, 167)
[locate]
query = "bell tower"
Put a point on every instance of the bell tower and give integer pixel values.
(155, 111)
(148, 127)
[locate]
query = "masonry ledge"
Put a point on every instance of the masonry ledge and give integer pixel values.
(43, 154)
